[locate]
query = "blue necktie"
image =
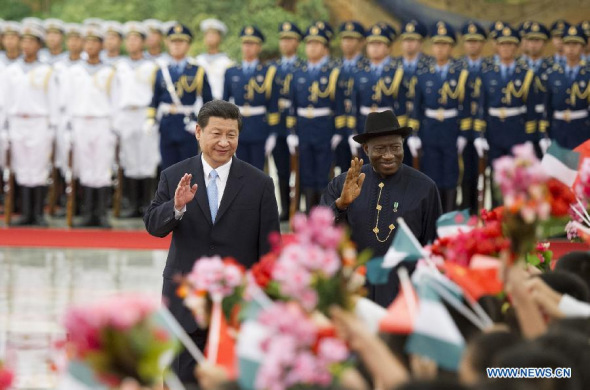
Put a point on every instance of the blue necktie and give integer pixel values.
(212, 194)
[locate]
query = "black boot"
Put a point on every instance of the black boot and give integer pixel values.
(101, 209)
(310, 199)
(88, 208)
(27, 217)
(450, 200)
(133, 196)
(469, 195)
(285, 201)
(38, 206)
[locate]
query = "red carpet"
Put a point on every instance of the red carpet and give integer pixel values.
(86, 239)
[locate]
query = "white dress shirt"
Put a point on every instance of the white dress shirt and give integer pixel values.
(221, 181)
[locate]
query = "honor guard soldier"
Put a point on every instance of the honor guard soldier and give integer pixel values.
(75, 45)
(251, 86)
(474, 39)
(91, 88)
(506, 106)
(30, 112)
(214, 61)
(317, 118)
(412, 59)
(378, 86)
(496, 29)
(139, 154)
(289, 37)
(154, 41)
(180, 90)
(10, 43)
(567, 94)
(54, 39)
(535, 36)
(352, 40)
(557, 30)
(112, 42)
(441, 114)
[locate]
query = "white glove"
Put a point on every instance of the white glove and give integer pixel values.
(461, 142)
(354, 146)
(336, 139)
(481, 146)
(544, 144)
(414, 144)
(148, 126)
(292, 143)
(191, 127)
(270, 144)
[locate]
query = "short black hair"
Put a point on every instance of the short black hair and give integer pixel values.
(567, 283)
(486, 346)
(219, 109)
(576, 262)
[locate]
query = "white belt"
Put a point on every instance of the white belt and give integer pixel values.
(568, 115)
(506, 112)
(172, 109)
(252, 110)
(367, 110)
(134, 108)
(284, 104)
(311, 112)
(441, 114)
(539, 108)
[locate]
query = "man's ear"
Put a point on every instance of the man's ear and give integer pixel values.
(366, 148)
(198, 132)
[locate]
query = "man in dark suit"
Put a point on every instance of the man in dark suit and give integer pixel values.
(213, 204)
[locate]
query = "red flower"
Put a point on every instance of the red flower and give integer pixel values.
(561, 197)
(232, 261)
(262, 271)
(6, 378)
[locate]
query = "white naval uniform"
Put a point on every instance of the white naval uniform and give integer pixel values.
(139, 152)
(30, 110)
(109, 60)
(215, 66)
(160, 59)
(46, 56)
(62, 142)
(91, 91)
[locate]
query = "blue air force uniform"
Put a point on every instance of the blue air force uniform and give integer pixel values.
(177, 122)
(567, 98)
(411, 30)
(378, 87)
(468, 168)
(348, 68)
(252, 87)
(507, 103)
(285, 69)
(317, 114)
(441, 113)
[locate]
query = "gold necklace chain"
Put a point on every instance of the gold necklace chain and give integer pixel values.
(379, 207)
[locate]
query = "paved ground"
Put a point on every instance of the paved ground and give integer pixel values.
(37, 285)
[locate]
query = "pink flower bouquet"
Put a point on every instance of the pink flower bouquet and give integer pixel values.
(119, 338)
(295, 353)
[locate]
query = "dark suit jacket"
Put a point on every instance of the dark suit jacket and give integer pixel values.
(247, 214)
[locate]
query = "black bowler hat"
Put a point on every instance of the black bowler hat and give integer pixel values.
(379, 124)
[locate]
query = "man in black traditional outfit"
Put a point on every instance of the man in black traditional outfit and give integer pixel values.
(372, 197)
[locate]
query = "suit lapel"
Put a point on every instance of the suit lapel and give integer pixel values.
(232, 188)
(201, 195)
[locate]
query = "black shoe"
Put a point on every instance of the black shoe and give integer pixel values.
(89, 218)
(27, 217)
(38, 207)
(101, 208)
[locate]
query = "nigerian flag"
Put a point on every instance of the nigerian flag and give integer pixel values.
(450, 224)
(404, 247)
(561, 163)
(435, 334)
